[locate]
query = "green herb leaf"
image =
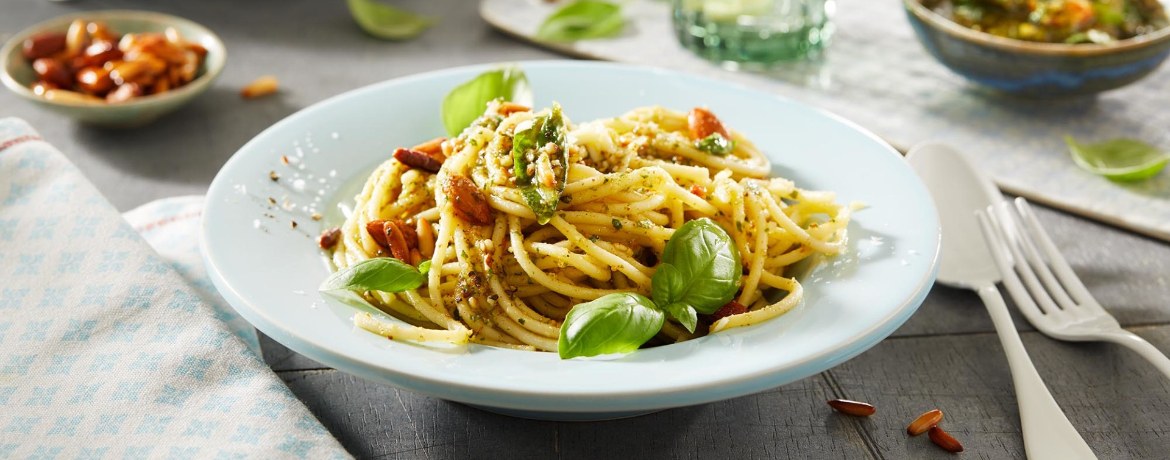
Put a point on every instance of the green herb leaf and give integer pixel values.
(705, 268)
(715, 144)
(464, 104)
(1119, 159)
(582, 20)
(387, 22)
(667, 284)
(532, 139)
(424, 266)
(615, 323)
(685, 314)
(384, 274)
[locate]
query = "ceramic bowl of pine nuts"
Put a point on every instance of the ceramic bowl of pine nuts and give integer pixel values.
(112, 68)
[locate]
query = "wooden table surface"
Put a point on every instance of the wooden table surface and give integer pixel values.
(947, 356)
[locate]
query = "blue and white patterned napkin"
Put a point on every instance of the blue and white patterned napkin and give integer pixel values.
(171, 227)
(105, 352)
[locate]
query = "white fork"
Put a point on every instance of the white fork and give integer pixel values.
(1058, 304)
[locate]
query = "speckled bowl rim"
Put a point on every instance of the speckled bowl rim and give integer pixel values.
(213, 66)
(949, 27)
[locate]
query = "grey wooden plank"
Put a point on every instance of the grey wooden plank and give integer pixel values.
(378, 422)
(1115, 399)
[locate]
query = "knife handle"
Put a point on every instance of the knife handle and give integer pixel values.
(1048, 435)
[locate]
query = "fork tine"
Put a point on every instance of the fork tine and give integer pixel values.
(1005, 223)
(1064, 273)
(1003, 259)
(1039, 265)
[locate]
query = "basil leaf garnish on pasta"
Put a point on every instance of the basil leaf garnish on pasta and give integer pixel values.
(385, 274)
(700, 268)
(582, 20)
(464, 104)
(540, 157)
(715, 144)
(1119, 159)
(387, 22)
(614, 323)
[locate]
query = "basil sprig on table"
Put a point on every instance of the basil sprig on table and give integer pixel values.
(387, 22)
(582, 20)
(384, 274)
(700, 273)
(467, 102)
(715, 144)
(531, 148)
(1119, 159)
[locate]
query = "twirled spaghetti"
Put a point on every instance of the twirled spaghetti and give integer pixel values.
(500, 278)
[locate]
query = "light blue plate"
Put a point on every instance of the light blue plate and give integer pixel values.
(270, 271)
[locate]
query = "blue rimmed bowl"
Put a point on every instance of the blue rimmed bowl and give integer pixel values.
(1037, 69)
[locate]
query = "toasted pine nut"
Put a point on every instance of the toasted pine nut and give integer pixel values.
(856, 408)
(508, 108)
(262, 86)
(426, 238)
(924, 422)
(945, 440)
(75, 38)
(430, 147)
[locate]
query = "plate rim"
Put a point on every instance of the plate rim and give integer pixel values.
(545, 400)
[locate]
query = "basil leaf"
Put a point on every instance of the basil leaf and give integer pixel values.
(1119, 159)
(715, 144)
(384, 274)
(615, 323)
(582, 20)
(685, 314)
(387, 22)
(530, 140)
(706, 259)
(424, 266)
(667, 284)
(464, 104)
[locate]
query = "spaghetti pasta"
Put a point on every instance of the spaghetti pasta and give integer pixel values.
(629, 183)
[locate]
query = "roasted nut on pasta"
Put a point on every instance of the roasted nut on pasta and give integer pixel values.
(732, 308)
(468, 200)
(92, 62)
(856, 408)
(703, 123)
(417, 160)
(432, 147)
(262, 86)
(42, 45)
(508, 108)
(328, 239)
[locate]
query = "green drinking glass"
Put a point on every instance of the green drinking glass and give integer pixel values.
(754, 34)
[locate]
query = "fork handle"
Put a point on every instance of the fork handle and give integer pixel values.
(1048, 435)
(1142, 347)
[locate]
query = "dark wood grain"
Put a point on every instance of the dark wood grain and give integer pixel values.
(1112, 396)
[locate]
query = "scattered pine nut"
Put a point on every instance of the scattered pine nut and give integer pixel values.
(316, 216)
(924, 422)
(273, 175)
(856, 408)
(262, 86)
(945, 440)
